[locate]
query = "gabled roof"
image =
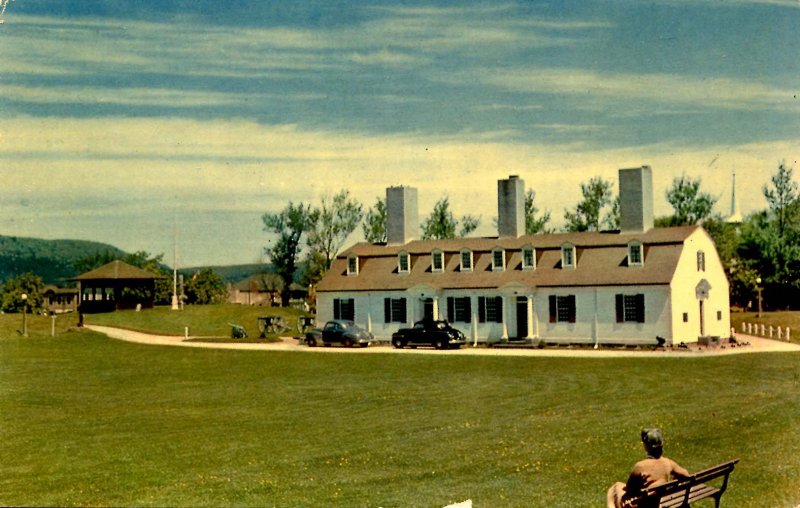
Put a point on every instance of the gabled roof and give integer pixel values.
(601, 261)
(117, 270)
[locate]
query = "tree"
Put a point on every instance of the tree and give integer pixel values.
(534, 224)
(597, 195)
(441, 224)
(329, 225)
(27, 284)
(374, 225)
(206, 287)
(783, 199)
(690, 206)
(289, 225)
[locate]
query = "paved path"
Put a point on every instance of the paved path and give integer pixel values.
(757, 345)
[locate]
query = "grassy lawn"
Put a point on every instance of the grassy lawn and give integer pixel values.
(202, 320)
(778, 318)
(87, 420)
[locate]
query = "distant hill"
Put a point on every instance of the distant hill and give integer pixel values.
(230, 273)
(52, 260)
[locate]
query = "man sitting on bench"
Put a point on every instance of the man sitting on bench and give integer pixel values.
(650, 472)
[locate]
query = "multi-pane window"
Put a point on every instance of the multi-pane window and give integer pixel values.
(459, 309)
(498, 259)
(568, 256)
(438, 261)
(403, 263)
(562, 309)
(630, 308)
(528, 258)
(635, 257)
(344, 308)
(701, 261)
(352, 265)
(466, 260)
(394, 310)
(490, 309)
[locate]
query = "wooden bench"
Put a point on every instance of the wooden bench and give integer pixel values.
(682, 493)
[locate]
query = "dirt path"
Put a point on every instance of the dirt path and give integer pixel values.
(757, 345)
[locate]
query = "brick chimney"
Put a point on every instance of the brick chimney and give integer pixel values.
(402, 215)
(511, 207)
(636, 199)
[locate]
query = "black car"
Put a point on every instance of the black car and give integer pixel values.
(339, 331)
(429, 333)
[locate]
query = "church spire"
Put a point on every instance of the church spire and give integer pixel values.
(736, 215)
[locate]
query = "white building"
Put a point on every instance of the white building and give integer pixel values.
(625, 287)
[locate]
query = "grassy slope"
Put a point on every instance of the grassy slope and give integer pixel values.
(779, 318)
(91, 421)
(202, 320)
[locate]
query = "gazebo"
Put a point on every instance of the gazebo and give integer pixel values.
(116, 285)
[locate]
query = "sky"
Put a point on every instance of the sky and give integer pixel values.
(136, 123)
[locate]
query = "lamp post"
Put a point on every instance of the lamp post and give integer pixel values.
(24, 314)
(758, 290)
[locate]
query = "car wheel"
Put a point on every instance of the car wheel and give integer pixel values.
(440, 344)
(398, 343)
(348, 342)
(311, 341)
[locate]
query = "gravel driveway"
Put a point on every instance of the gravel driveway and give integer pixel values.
(757, 345)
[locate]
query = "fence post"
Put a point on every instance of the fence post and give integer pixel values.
(744, 327)
(770, 331)
(749, 329)
(780, 332)
(788, 333)
(186, 332)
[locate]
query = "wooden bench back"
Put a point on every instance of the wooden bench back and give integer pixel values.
(703, 476)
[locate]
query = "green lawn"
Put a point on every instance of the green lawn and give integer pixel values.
(202, 320)
(86, 420)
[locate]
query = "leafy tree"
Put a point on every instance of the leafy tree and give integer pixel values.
(13, 289)
(374, 225)
(689, 204)
(783, 199)
(329, 225)
(534, 223)
(96, 260)
(289, 225)
(441, 224)
(206, 287)
(597, 196)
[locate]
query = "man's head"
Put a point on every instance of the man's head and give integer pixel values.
(653, 440)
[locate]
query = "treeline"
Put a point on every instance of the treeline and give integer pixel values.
(760, 252)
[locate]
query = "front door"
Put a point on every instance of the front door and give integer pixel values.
(427, 309)
(522, 317)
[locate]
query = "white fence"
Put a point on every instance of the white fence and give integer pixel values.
(771, 332)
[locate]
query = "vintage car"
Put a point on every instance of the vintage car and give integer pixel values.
(339, 331)
(438, 334)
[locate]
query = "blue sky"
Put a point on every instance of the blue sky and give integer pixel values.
(118, 119)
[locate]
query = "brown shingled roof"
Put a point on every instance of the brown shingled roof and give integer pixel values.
(601, 261)
(117, 270)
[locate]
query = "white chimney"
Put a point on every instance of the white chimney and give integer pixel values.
(636, 199)
(402, 215)
(511, 207)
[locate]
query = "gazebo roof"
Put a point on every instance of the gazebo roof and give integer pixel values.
(117, 270)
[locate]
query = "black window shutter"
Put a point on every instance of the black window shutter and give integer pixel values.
(553, 314)
(387, 310)
(620, 309)
(402, 310)
(451, 310)
(572, 310)
(468, 309)
(481, 309)
(336, 313)
(499, 307)
(640, 308)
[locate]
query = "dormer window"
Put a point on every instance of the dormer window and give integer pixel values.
(498, 260)
(403, 263)
(352, 265)
(437, 261)
(528, 258)
(466, 260)
(567, 256)
(635, 254)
